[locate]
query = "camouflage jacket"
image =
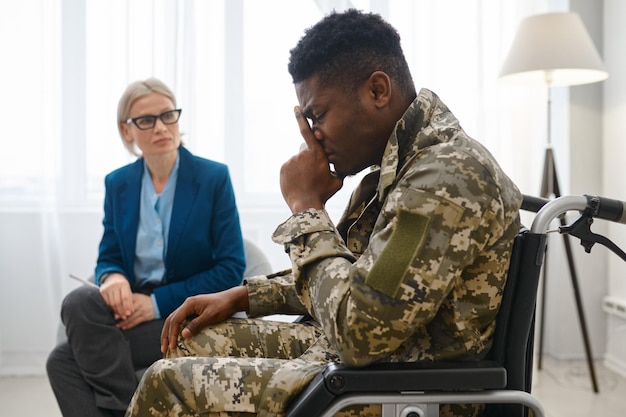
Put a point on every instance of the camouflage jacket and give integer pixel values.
(415, 268)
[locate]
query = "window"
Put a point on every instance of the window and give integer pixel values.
(30, 72)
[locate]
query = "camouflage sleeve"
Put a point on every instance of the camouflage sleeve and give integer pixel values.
(427, 232)
(273, 294)
(311, 239)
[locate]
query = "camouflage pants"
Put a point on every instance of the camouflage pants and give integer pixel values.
(238, 368)
(243, 368)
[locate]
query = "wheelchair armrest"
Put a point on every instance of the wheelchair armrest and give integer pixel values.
(337, 379)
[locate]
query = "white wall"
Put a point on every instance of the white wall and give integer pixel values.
(614, 169)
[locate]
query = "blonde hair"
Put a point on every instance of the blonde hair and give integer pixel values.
(134, 91)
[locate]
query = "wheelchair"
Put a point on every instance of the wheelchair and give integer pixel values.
(501, 381)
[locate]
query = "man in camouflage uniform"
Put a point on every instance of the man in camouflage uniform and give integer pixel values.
(413, 271)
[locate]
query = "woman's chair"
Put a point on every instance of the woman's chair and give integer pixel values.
(257, 262)
(503, 379)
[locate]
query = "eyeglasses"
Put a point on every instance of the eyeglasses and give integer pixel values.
(148, 122)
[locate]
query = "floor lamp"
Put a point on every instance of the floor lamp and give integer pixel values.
(554, 49)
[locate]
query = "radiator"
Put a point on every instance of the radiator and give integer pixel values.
(615, 355)
(615, 306)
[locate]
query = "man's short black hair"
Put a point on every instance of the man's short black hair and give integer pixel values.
(344, 49)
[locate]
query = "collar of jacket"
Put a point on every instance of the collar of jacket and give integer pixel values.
(426, 122)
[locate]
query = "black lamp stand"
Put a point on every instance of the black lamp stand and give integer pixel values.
(550, 187)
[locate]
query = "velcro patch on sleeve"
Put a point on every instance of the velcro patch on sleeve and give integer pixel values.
(392, 264)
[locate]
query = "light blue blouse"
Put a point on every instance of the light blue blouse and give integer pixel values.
(155, 212)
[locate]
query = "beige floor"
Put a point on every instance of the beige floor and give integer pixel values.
(564, 389)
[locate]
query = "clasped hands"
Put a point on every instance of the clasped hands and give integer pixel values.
(129, 308)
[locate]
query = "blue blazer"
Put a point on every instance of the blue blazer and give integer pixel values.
(205, 248)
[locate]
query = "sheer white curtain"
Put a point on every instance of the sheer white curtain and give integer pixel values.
(227, 61)
(66, 63)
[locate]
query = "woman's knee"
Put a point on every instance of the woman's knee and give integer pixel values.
(57, 361)
(81, 303)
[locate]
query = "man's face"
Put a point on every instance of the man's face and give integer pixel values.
(344, 125)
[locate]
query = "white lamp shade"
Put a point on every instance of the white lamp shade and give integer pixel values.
(553, 48)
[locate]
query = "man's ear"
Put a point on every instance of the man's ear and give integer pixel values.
(379, 85)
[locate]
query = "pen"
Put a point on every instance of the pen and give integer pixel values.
(84, 281)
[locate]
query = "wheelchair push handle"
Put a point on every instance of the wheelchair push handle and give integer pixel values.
(533, 204)
(591, 206)
(606, 208)
(599, 207)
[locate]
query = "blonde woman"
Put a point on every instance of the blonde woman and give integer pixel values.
(171, 230)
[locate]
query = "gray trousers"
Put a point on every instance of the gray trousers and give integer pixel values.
(93, 373)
